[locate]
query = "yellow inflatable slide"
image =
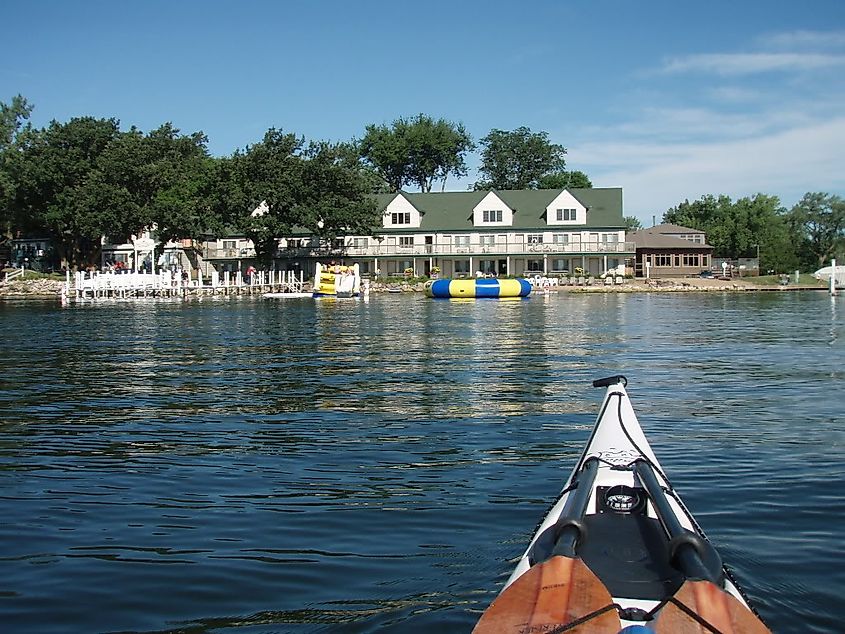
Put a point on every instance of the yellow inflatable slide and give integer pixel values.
(337, 280)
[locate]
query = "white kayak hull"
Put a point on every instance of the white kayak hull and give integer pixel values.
(620, 516)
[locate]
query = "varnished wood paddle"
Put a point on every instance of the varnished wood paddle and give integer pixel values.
(721, 611)
(552, 594)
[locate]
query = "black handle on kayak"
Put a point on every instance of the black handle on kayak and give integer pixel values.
(685, 546)
(611, 380)
(570, 526)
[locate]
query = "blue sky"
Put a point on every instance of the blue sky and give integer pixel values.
(668, 100)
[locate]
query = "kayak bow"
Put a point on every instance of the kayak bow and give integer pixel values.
(619, 549)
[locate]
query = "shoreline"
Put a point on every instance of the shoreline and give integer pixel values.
(52, 289)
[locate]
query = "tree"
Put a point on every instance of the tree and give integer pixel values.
(417, 151)
(740, 229)
(565, 180)
(518, 159)
(61, 190)
(83, 180)
(176, 174)
(281, 184)
(632, 223)
(12, 117)
(818, 223)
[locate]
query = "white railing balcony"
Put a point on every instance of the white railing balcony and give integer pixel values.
(228, 253)
(475, 249)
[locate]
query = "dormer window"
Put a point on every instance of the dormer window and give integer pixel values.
(492, 215)
(400, 218)
(565, 214)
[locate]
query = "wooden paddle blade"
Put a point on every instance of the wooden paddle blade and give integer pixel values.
(722, 611)
(554, 593)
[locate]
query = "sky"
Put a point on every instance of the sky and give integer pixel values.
(668, 100)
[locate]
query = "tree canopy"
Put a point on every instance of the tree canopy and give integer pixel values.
(818, 223)
(519, 159)
(741, 228)
(282, 184)
(417, 152)
(79, 181)
(12, 118)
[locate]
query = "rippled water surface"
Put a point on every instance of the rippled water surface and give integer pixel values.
(341, 466)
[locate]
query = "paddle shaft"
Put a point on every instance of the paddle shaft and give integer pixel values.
(572, 519)
(687, 554)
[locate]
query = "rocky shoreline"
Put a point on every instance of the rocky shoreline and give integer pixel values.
(36, 289)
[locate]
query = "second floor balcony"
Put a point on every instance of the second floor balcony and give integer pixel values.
(374, 249)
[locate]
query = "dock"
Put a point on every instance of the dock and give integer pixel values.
(113, 285)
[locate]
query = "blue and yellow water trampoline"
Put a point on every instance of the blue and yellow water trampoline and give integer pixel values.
(478, 288)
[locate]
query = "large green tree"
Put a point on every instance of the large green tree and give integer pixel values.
(818, 224)
(83, 180)
(742, 228)
(63, 190)
(12, 129)
(518, 159)
(282, 184)
(417, 151)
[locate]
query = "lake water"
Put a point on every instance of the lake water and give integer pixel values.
(340, 466)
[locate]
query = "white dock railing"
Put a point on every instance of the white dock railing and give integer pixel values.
(93, 285)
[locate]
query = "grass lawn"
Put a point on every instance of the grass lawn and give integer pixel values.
(804, 279)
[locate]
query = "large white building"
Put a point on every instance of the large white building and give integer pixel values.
(511, 232)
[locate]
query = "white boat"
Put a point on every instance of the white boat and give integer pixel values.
(619, 549)
(824, 274)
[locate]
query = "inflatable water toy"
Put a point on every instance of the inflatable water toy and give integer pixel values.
(619, 549)
(481, 287)
(337, 280)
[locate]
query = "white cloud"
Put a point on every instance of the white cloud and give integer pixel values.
(734, 64)
(803, 40)
(659, 176)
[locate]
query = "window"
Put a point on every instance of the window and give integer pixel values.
(406, 241)
(492, 215)
(534, 238)
(691, 259)
(535, 266)
(230, 244)
(461, 266)
(400, 218)
(662, 259)
(560, 265)
(610, 238)
(360, 243)
(487, 266)
(461, 241)
(561, 238)
(565, 215)
(488, 241)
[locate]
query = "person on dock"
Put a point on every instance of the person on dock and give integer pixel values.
(250, 271)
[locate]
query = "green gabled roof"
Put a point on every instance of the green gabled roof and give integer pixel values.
(452, 211)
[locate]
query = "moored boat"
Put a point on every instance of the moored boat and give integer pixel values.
(619, 549)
